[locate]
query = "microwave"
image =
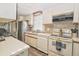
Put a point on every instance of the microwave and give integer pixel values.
(63, 17)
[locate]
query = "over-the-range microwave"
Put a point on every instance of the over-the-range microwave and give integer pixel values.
(63, 17)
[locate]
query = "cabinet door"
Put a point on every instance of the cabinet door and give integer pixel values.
(76, 13)
(31, 20)
(28, 40)
(75, 49)
(47, 17)
(33, 42)
(42, 45)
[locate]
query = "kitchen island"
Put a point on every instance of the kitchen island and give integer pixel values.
(13, 47)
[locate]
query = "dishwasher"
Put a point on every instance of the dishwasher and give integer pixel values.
(42, 44)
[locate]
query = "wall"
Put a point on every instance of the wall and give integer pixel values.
(8, 10)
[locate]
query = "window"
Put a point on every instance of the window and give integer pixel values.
(38, 22)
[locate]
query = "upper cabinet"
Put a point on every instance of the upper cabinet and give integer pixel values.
(30, 18)
(8, 10)
(20, 18)
(76, 13)
(57, 10)
(47, 17)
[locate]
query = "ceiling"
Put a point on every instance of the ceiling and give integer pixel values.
(28, 8)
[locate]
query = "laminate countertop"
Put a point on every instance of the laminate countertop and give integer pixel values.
(12, 46)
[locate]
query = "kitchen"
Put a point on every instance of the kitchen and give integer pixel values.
(39, 29)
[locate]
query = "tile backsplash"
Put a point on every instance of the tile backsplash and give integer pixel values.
(48, 28)
(64, 24)
(59, 25)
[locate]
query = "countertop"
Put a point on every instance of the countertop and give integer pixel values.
(12, 46)
(76, 40)
(37, 34)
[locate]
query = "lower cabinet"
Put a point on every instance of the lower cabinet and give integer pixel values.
(42, 44)
(31, 41)
(39, 43)
(28, 40)
(75, 49)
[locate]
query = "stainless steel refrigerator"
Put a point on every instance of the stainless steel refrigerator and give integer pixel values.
(22, 28)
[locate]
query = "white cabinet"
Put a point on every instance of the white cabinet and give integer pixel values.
(42, 44)
(31, 20)
(47, 17)
(27, 40)
(8, 11)
(20, 18)
(76, 13)
(75, 49)
(28, 17)
(31, 41)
